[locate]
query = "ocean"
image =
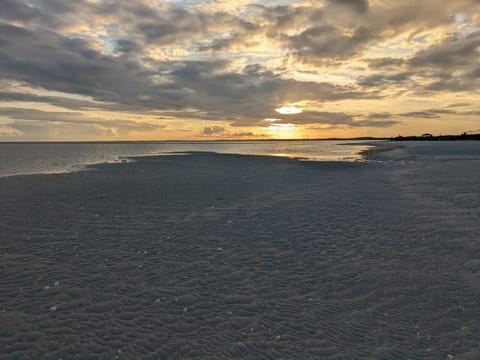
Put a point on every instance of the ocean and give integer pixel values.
(46, 158)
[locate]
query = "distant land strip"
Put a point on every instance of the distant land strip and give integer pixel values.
(430, 137)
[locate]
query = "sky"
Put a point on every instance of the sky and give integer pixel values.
(244, 69)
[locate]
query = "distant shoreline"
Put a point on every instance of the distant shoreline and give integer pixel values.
(429, 137)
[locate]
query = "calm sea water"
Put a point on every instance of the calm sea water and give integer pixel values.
(41, 158)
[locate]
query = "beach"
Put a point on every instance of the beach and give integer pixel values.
(221, 256)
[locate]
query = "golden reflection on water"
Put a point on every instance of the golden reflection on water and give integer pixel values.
(333, 156)
(282, 155)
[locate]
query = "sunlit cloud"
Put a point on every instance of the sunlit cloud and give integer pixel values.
(272, 119)
(287, 110)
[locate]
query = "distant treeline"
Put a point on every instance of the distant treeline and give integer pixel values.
(430, 137)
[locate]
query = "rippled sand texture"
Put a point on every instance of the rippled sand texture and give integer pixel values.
(228, 257)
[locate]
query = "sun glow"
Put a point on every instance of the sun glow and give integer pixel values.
(288, 110)
(284, 131)
(281, 126)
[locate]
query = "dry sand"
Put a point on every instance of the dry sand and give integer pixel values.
(211, 256)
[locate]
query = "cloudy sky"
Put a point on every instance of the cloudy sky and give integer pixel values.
(218, 69)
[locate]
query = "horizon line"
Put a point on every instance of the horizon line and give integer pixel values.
(197, 140)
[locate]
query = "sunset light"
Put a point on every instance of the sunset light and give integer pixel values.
(248, 179)
(208, 69)
(288, 110)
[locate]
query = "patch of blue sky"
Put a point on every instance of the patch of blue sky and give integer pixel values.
(108, 44)
(422, 39)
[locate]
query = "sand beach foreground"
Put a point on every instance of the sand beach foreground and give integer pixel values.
(208, 256)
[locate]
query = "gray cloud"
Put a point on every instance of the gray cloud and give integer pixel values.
(357, 5)
(459, 105)
(327, 41)
(47, 60)
(420, 114)
(385, 62)
(453, 51)
(13, 10)
(246, 133)
(333, 34)
(127, 46)
(20, 115)
(452, 65)
(69, 103)
(319, 117)
(338, 118)
(436, 113)
(381, 79)
(212, 130)
(375, 123)
(380, 115)
(453, 84)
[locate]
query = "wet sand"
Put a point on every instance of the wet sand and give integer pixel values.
(209, 256)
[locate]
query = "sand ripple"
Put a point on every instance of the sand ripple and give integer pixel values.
(206, 257)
